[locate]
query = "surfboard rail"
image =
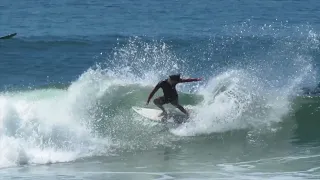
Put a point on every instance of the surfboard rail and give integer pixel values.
(154, 114)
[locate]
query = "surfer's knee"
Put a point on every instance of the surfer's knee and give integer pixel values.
(157, 101)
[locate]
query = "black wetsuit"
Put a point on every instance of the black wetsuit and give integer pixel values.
(170, 93)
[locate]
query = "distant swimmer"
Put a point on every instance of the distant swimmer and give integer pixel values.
(8, 36)
(170, 93)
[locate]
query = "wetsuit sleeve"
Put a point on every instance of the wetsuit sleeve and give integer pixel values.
(189, 80)
(155, 89)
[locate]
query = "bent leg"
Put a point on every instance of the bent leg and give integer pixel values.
(159, 102)
(177, 105)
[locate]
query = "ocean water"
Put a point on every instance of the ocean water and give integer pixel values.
(75, 68)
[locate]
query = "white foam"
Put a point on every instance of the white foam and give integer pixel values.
(237, 99)
(44, 129)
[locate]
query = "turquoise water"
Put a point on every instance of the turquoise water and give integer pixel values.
(74, 70)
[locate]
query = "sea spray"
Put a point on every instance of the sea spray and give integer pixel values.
(88, 118)
(240, 99)
(93, 115)
(41, 130)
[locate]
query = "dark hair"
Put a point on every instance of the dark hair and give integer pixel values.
(175, 77)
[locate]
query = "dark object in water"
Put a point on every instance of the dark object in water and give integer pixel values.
(311, 91)
(8, 36)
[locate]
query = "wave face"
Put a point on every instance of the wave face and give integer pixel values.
(252, 83)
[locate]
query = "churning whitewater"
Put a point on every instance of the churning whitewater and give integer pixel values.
(92, 116)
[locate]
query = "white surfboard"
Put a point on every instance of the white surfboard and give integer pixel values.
(154, 114)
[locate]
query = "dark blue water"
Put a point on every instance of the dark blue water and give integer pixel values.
(74, 70)
(59, 40)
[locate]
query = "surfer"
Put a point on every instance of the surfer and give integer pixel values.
(8, 36)
(170, 94)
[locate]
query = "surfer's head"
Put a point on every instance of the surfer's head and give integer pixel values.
(174, 79)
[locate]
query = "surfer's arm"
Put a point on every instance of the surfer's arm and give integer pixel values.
(189, 80)
(155, 89)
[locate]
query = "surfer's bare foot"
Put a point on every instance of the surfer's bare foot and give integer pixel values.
(164, 119)
(164, 114)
